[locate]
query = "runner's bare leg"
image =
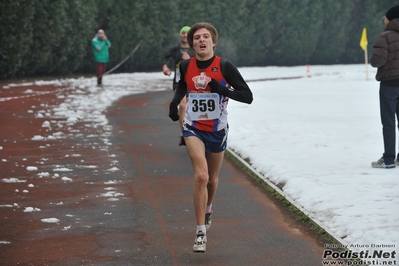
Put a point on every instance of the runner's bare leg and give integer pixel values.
(196, 151)
(214, 163)
(206, 172)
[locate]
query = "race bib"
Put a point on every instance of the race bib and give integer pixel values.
(203, 106)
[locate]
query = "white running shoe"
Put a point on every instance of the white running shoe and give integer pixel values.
(208, 221)
(381, 164)
(200, 242)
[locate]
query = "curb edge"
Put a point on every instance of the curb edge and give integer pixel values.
(262, 179)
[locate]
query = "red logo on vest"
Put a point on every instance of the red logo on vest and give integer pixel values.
(201, 81)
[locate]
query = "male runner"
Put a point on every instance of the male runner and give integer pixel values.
(177, 54)
(209, 82)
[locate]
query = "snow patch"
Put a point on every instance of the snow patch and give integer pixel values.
(62, 169)
(31, 209)
(113, 169)
(38, 137)
(13, 180)
(66, 179)
(43, 174)
(50, 220)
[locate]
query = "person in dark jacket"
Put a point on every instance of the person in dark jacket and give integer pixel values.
(178, 53)
(385, 56)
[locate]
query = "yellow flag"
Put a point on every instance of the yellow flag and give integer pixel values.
(363, 39)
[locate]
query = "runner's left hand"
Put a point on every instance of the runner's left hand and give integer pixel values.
(216, 87)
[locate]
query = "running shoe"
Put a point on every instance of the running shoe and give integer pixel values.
(208, 221)
(397, 162)
(381, 164)
(200, 242)
(182, 142)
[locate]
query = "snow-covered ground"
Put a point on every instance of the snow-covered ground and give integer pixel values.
(315, 136)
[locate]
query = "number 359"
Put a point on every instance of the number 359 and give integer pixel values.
(203, 105)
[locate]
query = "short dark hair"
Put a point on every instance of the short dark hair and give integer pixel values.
(202, 25)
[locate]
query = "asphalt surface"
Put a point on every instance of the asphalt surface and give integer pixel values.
(140, 214)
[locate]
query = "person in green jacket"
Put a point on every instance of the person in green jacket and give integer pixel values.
(100, 45)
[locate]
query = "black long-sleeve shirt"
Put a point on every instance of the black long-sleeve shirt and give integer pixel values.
(241, 91)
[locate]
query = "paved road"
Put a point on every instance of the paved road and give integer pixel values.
(140, 213)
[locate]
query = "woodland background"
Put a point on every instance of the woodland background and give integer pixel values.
(53, 37)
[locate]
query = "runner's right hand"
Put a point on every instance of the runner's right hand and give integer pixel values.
(173, 112)
(166, 71)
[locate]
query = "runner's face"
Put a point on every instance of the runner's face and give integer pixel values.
(183, 37)
(203, 44)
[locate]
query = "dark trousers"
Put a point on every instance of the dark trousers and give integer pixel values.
(389, 107)
(100, 70)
